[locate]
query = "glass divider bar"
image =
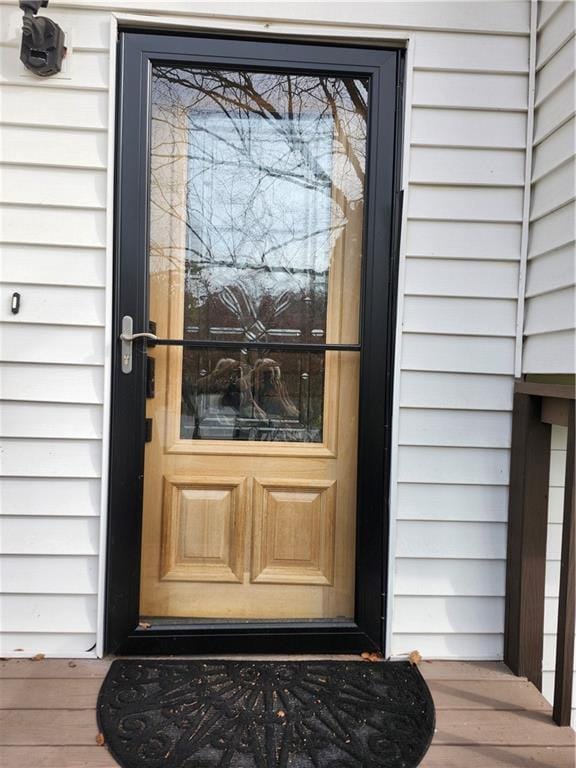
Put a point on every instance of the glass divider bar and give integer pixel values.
(288, 346)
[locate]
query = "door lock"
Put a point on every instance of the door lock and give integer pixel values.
(127, 337)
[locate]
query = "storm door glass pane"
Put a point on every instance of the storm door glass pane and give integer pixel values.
(272, 396)
(256, 213)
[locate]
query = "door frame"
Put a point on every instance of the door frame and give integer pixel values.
(384, 66)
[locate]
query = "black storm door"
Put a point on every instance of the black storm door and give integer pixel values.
(256, 236)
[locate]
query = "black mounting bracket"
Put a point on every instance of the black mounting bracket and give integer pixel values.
(42, 49)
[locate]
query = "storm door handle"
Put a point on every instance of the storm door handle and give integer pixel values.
(127, 337)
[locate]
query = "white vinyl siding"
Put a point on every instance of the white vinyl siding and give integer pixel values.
(468, 135)
(553, 553)
(52, 209)
(550, 311)
(466, 131)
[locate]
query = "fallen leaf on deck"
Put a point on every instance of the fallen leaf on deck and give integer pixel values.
(38, 657)
(100, 740)
(372, 656)
(415, 657)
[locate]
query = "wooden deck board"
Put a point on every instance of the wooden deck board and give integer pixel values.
(486, 717)
(56, 757)
(431, 670)
(77, 693)
(467, 670)
(482, 756)
(62, 668)
(438, 757)
(48, 728)
(483, 694)
(515, 729)
(52, 693)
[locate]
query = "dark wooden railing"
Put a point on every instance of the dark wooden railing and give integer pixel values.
(536, 408)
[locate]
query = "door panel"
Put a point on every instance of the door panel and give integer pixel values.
(293, 534)
(203, 529)
(256, 220)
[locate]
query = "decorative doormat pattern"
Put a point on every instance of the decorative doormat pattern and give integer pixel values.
(238, 714)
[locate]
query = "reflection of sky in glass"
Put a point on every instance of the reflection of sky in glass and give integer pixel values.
(264, 172)
(257, 180)
(258, 215)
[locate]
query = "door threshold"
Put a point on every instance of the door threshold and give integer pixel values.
(248, 638)
(246, 657)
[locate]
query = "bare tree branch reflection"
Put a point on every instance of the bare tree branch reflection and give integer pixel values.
(257, 179)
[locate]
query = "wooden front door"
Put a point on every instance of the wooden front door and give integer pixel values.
(258, 256)
(256, 214)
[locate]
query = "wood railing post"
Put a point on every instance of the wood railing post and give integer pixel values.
(566, 598)
(527, 526)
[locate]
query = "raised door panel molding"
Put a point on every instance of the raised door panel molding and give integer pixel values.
(294, 532)
(203, 529)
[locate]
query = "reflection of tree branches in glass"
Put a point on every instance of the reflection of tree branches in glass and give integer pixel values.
(254, 177)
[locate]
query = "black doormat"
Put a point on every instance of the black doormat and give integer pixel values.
(244, 714)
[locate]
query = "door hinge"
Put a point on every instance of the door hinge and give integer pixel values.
(148, 431)
(150, 377)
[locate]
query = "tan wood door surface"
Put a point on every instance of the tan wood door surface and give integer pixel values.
(256, 217)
